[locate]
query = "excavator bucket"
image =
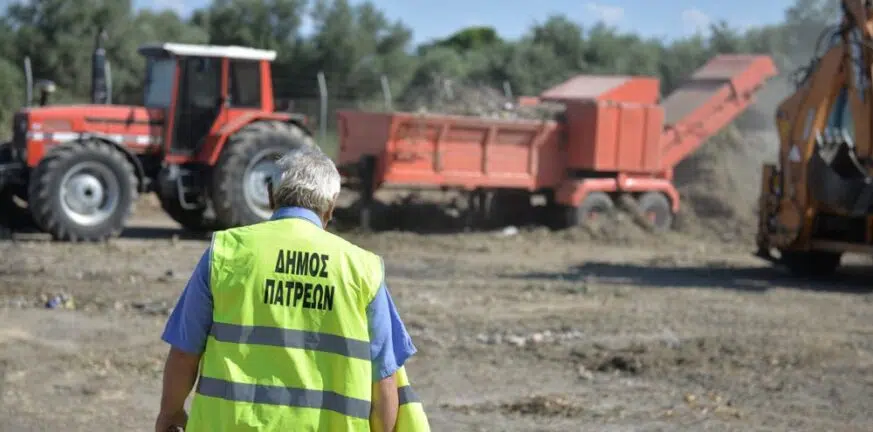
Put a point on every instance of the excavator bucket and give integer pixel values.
(836, 178)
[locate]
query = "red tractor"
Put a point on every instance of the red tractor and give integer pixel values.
(205, 140)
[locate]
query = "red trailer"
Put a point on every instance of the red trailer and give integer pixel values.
(613, 139)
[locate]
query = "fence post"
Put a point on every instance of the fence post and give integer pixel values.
(322, 93)
(386, 92)
(28, 82)
(447, 87)
(108, 73)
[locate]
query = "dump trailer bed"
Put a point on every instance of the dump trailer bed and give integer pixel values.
(415, 150)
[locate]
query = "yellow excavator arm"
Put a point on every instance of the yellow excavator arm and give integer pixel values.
(819, 198)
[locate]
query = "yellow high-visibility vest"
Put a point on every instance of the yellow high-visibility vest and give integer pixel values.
(289, 348)
(411, 416)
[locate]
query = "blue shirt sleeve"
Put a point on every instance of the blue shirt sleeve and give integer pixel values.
(191, 320)
(390, 344)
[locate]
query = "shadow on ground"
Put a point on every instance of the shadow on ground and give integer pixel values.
(161, 233)
(134, 232)
(849, 279)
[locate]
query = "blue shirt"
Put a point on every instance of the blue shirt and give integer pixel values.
(191, 320)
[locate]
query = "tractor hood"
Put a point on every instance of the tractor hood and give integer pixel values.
(98, 119)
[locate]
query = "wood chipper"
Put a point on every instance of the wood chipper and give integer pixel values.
(613, 141)
(817, 203)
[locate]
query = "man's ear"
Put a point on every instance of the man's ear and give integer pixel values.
(328, 216)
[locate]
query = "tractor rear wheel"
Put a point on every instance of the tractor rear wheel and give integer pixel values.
(239, 190)
(83, 191)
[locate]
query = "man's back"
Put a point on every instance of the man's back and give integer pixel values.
(289, 342)
(279, 335)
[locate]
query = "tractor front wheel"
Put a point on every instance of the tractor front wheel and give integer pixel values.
(239, 192)
(83, 191)
(13, 215)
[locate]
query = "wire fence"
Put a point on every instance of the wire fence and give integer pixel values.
(319, 100)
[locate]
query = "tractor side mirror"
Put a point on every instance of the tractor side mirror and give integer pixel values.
(45, 89)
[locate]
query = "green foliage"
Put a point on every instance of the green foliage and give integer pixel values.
(357, 47)
(470, 38)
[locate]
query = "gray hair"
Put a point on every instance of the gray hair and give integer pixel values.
(306, 177)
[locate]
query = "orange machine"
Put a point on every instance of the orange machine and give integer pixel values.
(206, 138)
(613, 139)
(817, 202)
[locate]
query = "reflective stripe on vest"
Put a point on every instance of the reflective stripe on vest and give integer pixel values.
(411, 416)
(289, 346)
(407, 395)
(288, 338)
(284, 396)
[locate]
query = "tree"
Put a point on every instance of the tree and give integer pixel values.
(355, 45)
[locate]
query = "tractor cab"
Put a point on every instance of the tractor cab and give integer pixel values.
(198, 89)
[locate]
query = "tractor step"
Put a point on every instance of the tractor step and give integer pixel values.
(189, 190)
(10, 172)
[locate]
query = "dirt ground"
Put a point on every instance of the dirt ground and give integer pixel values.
(601, 329)
(527, 331)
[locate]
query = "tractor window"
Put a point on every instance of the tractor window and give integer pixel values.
(840, 117)
(245, 84)
(159, 83)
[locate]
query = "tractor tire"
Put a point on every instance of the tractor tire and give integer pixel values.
(83, 191)
(656, 209)
(239, 192)
(13, 216)
(811, 263)
(594, 207)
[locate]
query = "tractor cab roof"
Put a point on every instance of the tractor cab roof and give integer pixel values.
(188, 50)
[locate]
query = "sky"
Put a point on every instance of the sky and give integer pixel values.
(657, 18)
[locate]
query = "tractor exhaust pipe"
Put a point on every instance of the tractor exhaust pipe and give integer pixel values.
(100, 87)
(45, 87)
(28, 83)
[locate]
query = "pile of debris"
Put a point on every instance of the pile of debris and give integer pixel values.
(444, 96)
(719, 185)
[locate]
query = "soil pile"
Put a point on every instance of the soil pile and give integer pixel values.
(719, 185)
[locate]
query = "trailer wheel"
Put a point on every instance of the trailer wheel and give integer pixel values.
(239, 192)
(83, 191)
(595, 207)
(811, 263)
(655, 207)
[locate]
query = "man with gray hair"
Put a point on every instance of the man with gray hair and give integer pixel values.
(286, 326)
